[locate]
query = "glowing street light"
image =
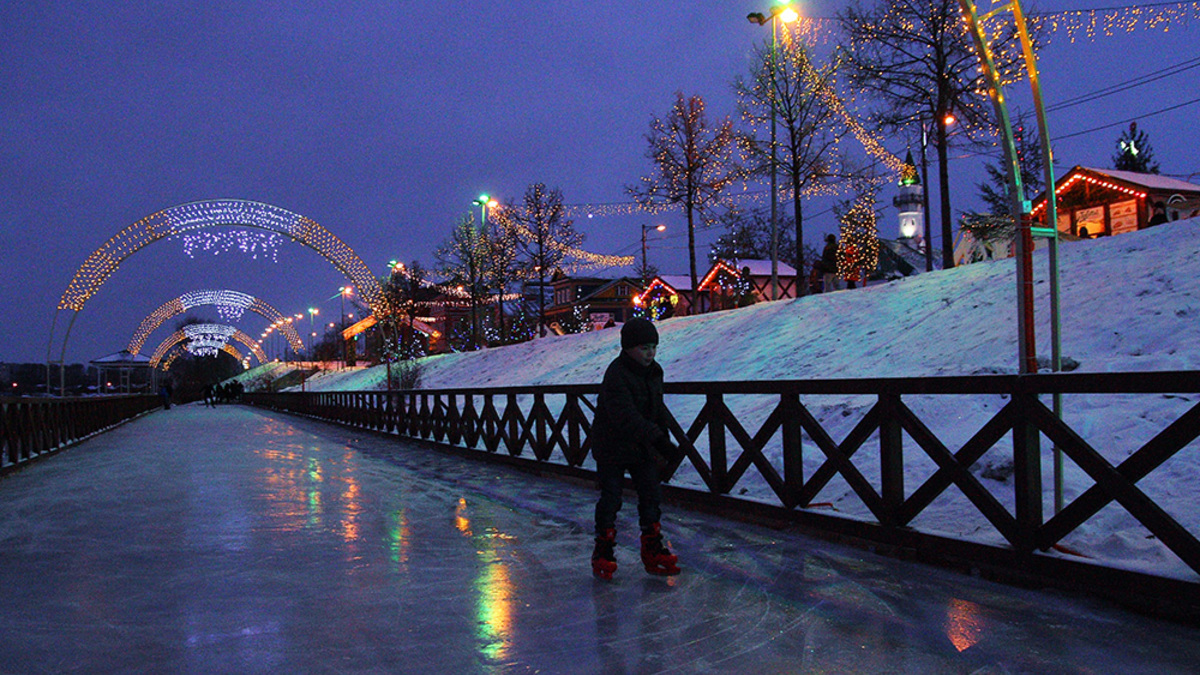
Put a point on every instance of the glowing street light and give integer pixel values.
(484, 203)
(646, 228)
(782, 11)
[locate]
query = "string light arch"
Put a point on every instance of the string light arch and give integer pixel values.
(230, 304)
(181, 220)
(206, 329)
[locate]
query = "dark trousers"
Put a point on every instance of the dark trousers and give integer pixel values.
(611, 478)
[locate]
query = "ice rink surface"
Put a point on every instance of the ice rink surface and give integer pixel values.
(233, 540)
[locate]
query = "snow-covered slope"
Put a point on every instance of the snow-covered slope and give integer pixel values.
(1129, 303)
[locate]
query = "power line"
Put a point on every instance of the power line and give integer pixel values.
(1126, 121)
(1127, 84)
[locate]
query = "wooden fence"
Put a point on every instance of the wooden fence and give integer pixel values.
(36, 427)
(549, 425)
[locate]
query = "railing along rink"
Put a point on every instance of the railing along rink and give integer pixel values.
(917, 472)
(36, 427)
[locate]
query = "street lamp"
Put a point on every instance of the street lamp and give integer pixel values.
(645, 228)
(947, 120)
(785, 12)
(312, 311)
(484, 203)
(342, 293)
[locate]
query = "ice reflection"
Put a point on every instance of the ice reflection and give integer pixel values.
(494, 588)
(400, 539)
(964, 624)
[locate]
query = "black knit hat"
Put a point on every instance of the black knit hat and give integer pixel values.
(637, 332)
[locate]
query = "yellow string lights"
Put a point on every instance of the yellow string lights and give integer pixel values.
(1091, 24)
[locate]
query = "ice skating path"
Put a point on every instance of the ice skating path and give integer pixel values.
(233, 540)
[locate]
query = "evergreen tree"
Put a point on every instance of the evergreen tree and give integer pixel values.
(1134, 152)
(858, 248)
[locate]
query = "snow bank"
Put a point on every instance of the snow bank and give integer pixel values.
(1130, 303)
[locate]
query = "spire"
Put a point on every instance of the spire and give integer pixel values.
(908, 173)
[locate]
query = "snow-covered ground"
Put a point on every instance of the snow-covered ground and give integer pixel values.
(1130, 303)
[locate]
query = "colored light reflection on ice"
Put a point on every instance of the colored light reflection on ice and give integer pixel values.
(964, 624)
(400, 538)
(493, 586)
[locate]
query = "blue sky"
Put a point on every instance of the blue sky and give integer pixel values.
(382, 121)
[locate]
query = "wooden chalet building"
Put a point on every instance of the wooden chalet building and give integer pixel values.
(601, 300)
(1100, 202)
(725, 285)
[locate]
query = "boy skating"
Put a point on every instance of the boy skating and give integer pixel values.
(629, 435)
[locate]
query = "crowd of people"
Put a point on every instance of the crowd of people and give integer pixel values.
(227, 392)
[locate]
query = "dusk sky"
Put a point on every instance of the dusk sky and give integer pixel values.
(382, 121)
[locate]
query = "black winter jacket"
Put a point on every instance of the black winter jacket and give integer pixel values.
(630, 416)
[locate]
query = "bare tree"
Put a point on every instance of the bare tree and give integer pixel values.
(408, 294)
(787, 85)
(503, 265)
(544, 235)
(462, 260)
(915, 57)
(694, 167)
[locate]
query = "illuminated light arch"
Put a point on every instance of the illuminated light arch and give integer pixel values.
(180, 335)
(220, 298)
(178, 220)
(165, 364)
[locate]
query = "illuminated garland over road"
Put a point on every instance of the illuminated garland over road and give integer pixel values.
(202, 330)
(230, 305)
(187, 218)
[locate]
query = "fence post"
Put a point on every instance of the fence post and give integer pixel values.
(793, 455)
(716, 443)
(1027, 472)
(891, 458)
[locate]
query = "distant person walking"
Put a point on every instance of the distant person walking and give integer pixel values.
(164, 392)
(829, 264)
(630, 435)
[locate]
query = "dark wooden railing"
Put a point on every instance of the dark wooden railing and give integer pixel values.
(726, 455)
(36, 427)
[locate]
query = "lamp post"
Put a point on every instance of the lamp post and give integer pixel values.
(312, 333)
(780, 11)
(342, 293)
(645, 267)
(484, 202)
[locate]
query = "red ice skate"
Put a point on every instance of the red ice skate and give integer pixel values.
(604, 561)
(657, 558)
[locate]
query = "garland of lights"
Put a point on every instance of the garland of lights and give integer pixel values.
(182, 220)
(1107, 22)
(1089, 24)
(230, 305)
(244, 241)
(205, 331)
(859, 245)
(1099, 182)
